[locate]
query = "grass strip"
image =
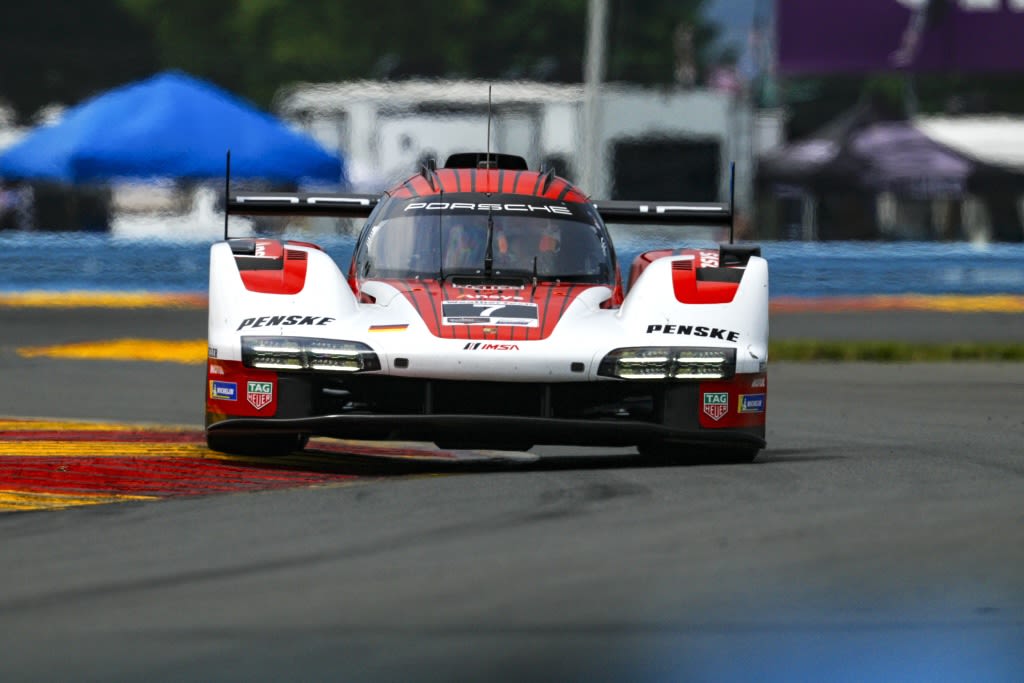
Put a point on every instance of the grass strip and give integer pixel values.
(811, 349)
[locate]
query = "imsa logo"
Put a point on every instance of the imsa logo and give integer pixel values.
(260, 394)
(482, 346)
(716, 404)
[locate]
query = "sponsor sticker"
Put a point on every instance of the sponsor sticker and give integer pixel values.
(389, 328)
(212, 352)
(473, 206)
(716, 404)
(694, 331)
(758, 383)
(485, 346)
(751, 403)
(275, 320)
(223, 391)
(259, 394)
(489, 313)
(488, 288)
(492, 297)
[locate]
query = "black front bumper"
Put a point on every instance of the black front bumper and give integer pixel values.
(612, 413)
(486, 429)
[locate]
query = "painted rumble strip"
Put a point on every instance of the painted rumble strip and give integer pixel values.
(87, 299)
(956, 303)
(52, 464)
(989, 303)
(11, 501)
(195, 351)
(153, 350)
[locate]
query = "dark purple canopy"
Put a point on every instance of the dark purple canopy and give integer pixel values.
(864, 151)
(901, 158)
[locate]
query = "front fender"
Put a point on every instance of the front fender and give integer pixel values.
(652, 306)
(324, 293)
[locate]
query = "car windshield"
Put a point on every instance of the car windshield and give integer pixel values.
(449, 239)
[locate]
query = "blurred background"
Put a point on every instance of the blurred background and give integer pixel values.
(853, 124)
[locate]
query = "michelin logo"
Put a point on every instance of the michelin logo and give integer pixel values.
(223, 391)
(751, 403)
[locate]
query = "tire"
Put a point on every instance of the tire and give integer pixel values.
(677, 454)
(265, 445)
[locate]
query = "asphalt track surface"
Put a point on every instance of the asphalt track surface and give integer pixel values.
(880, 537)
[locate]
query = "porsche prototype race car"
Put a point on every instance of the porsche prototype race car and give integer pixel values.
(483, 308)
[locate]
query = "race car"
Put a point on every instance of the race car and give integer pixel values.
(483, 308)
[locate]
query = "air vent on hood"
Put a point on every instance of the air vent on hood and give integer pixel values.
(683, 265)
(296, 255)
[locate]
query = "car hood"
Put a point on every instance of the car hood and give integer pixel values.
(486, 312)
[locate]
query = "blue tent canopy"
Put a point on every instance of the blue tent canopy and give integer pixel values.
(169, 126)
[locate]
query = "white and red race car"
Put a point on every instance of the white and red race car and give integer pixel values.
(483, 308)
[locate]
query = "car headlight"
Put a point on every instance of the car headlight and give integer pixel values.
(669, 362)
(298, 353)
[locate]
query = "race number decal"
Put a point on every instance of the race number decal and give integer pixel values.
(708, 259)
(489, 313)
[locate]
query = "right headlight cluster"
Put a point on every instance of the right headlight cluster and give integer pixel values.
(669, 362)
(300, 353)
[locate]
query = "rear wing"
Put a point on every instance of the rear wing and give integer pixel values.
(361, 205)
(341, 205)
(351, 205)
(672, 213)
(664, 213)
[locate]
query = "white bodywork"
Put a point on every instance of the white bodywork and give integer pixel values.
(585, 333)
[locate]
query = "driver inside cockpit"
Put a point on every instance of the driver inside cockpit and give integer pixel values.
(465, 246)
(517, 246)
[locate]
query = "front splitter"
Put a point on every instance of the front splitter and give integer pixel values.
(492, 428)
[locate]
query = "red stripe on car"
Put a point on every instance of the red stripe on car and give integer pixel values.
(689, 290)
(272, 268)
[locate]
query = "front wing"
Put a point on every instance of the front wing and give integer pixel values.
(494, 414)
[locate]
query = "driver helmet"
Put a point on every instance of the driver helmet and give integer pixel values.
(461, 249)
(534, 237)
(550, 237)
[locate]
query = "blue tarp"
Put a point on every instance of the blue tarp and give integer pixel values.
(170, 126)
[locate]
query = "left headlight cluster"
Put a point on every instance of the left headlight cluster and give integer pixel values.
(669, 362)
(299, 353)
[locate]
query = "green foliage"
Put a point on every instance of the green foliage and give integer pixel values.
(193, 35)
(642, 35)
(256, 46)
(887, 351)
(67, 50)
(812, 102)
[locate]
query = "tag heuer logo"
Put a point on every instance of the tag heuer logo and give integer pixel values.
(716, 404)
(260, 394)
